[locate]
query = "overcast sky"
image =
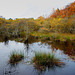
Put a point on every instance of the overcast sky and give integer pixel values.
(29, 8)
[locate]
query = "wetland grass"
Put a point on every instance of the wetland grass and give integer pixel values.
(43, 60)
(15, 57)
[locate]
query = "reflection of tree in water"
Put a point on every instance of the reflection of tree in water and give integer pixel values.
(6, 42)
(68, 47)
(27, 45)
(26, 51)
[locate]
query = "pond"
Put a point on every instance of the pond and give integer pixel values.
(25, 67)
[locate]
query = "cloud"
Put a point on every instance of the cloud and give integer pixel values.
(29, 8)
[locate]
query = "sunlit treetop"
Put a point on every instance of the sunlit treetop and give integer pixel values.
(68, 11)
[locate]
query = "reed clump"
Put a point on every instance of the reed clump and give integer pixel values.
(16, 57)
(46, 60)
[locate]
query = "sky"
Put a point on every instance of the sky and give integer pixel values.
(30, 8)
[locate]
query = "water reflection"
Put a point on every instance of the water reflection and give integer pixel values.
(67, 47)
(6, 42)
(29, 51)
(26, 46)
(47, 69)
(11, 69)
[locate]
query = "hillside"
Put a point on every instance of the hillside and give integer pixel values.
(68, 11)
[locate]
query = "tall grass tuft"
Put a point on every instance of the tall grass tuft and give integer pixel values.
(46, 60)
(16, 57)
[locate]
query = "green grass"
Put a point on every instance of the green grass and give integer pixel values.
(44, 60)
(55, 36)
(16, 57)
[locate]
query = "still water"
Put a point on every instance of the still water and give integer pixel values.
(25, 67)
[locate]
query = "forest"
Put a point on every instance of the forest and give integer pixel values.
(60, 22)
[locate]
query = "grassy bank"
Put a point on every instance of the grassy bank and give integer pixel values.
(54, 36)
(46, 36)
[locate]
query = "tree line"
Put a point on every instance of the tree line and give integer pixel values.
(60, 21)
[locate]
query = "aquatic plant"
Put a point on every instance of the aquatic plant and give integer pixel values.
(44, 60)
(16, 56)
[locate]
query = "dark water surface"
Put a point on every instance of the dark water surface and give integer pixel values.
(26, 68)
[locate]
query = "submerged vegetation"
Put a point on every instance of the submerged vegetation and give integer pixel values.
(43, 60)
(15, 57)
